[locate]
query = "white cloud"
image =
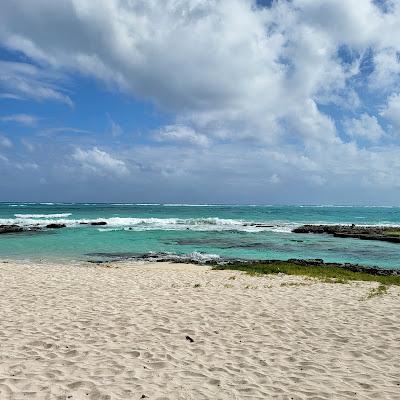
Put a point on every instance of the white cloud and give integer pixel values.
(392, 111)
(14, 165)
(257, 80)
(99, 162)
(28, 145)
(365, 127)
(23, 119)
(26, 165)
(274, 178)
(10, 96)
(26, 81)
(234, 70)
(115, 129)
(182, 134)
(222, 76)
(5, 141)
(64, 130)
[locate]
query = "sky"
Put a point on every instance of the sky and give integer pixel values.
(200, 101)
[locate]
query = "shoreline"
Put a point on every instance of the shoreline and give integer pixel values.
(197, 259)
(119, 331)
(206, 260)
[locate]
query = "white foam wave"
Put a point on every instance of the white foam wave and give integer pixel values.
(194, 256)
(135, 204)
(30, 216)
(191, 205)
(146, 224)
(196, 224)
(17, 205)
(202, 257)
(345, 206)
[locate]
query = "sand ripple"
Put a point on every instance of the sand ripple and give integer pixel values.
(91, 332)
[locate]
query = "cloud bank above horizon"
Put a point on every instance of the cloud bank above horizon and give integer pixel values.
(237, 101)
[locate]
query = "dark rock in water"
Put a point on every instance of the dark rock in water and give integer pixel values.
(10, 229)
(382, 233)
(315, 262)
(4, 229)
(98, 223)
(55, 226)
(83, 223)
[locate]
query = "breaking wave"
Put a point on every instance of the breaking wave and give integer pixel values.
(147, 224)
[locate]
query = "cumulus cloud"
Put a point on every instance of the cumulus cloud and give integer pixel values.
(392, 111)
(234, 69)
(254, 86)
(99, 162)
(223, 76)
(365, 127)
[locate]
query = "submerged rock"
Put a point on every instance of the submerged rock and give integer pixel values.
(382, 233)
(98, 223)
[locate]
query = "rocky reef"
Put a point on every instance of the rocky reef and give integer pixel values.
(204, 259)
(383, 233)
(4, 229)
(10, 229)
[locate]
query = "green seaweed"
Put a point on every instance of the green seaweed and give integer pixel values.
(327, 273)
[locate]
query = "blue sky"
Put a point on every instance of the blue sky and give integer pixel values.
(234, 101)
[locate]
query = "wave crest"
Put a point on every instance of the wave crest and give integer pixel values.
(30, 216)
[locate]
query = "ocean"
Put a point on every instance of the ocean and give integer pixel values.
(196, 231)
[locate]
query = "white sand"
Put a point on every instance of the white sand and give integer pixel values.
(91, 332)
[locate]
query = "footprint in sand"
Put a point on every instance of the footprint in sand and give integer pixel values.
(6, 393)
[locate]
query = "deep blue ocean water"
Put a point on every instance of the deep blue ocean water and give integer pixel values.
(200, 230)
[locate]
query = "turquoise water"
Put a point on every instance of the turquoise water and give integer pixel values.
(202, 230)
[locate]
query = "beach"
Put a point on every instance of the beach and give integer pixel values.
(131, 330)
